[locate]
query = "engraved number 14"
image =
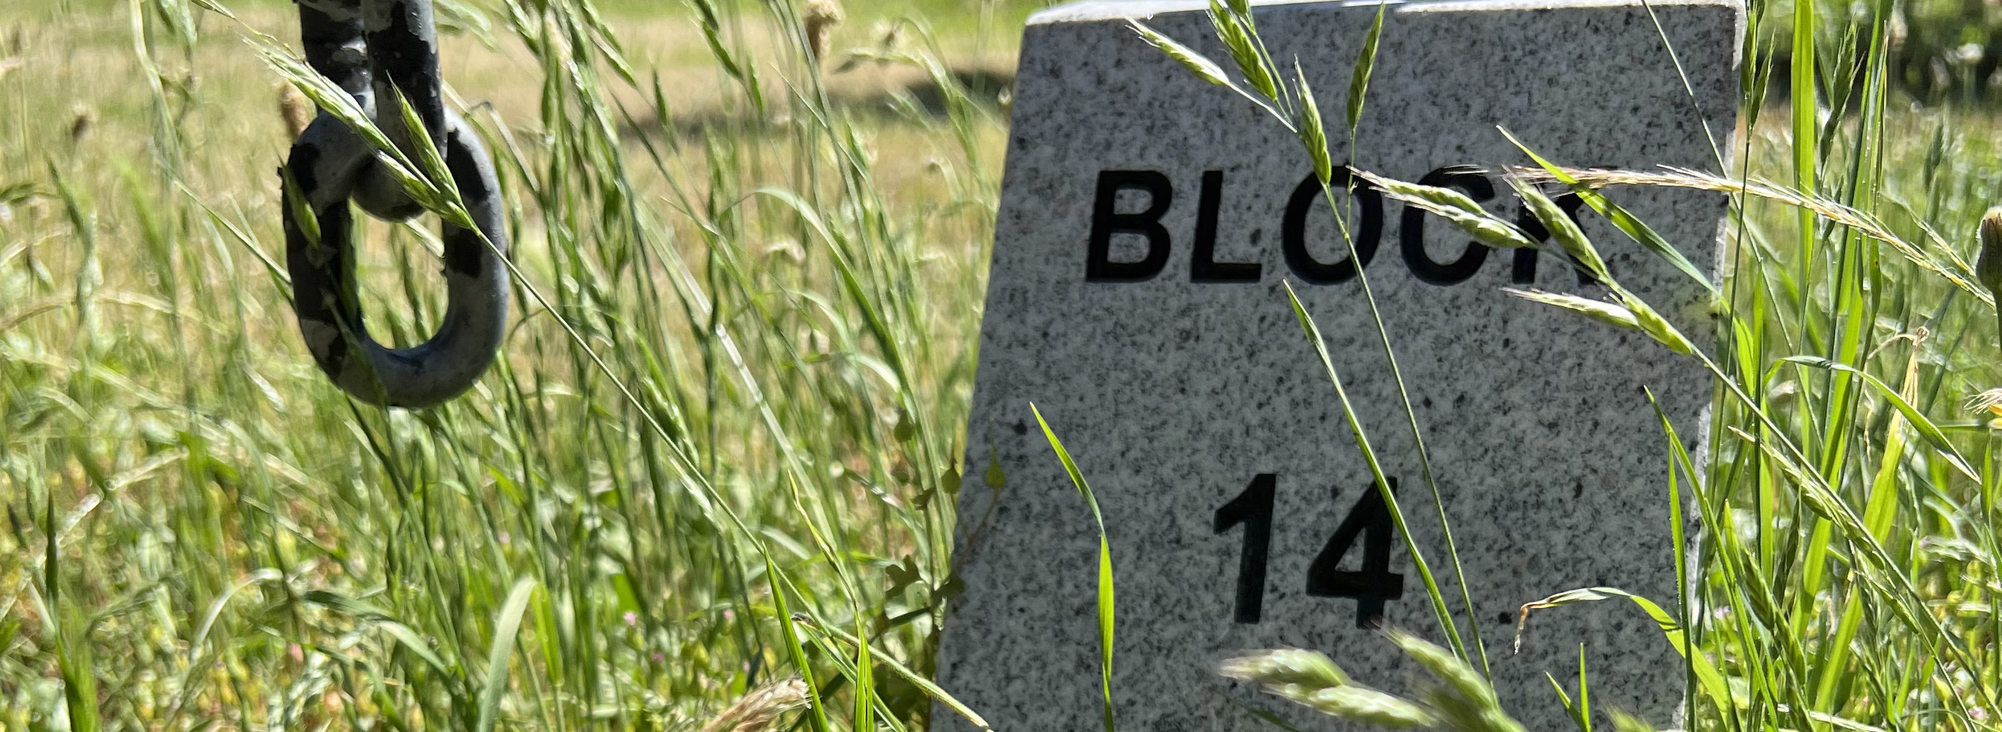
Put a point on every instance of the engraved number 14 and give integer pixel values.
(1368, 520)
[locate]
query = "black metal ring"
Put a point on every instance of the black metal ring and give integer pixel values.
(375, 50)
(325, 166)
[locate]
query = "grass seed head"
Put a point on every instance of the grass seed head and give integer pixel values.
(1605, 312)
(1236, 38)
(1461, 678)
(294, 109)
(1985, 402)
(761, 709)
(1560, 226)
(820, 18)
(1196, 63)
(1453, 206)
(1286, 666)
(1311, 679)
(1463, 699)
(1371, 707)
(1989, 267)
(1311, 132)
(1653, 324)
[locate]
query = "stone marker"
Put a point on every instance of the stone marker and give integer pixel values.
(1148, 220)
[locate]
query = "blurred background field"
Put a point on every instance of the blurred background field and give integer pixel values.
(722, 446)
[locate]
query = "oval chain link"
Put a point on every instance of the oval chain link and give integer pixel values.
(375, 50)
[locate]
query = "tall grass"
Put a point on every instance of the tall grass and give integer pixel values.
(708, 486)
(1845, 557)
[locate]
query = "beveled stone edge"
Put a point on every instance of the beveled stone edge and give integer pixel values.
(1087, 11)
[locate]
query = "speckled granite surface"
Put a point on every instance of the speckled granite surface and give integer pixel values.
(1177, 381)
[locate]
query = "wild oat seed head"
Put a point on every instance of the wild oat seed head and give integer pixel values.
(1989, 267)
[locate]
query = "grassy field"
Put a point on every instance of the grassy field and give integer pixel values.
(696, 411)
(710, 486)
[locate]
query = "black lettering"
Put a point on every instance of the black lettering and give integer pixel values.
(1369, 521)
(1411, 233)
(1253, 509)
(1293, 230)
(1106, 221)
(1203, 266)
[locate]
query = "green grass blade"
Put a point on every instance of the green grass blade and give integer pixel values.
(1711, 681)
(1679, 464)
(796, 649)
(506, 625)
(1626, 222)
(1320, 345)
(1918, 420)
(1583, 711)
(1105, 598)
(915, 679)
